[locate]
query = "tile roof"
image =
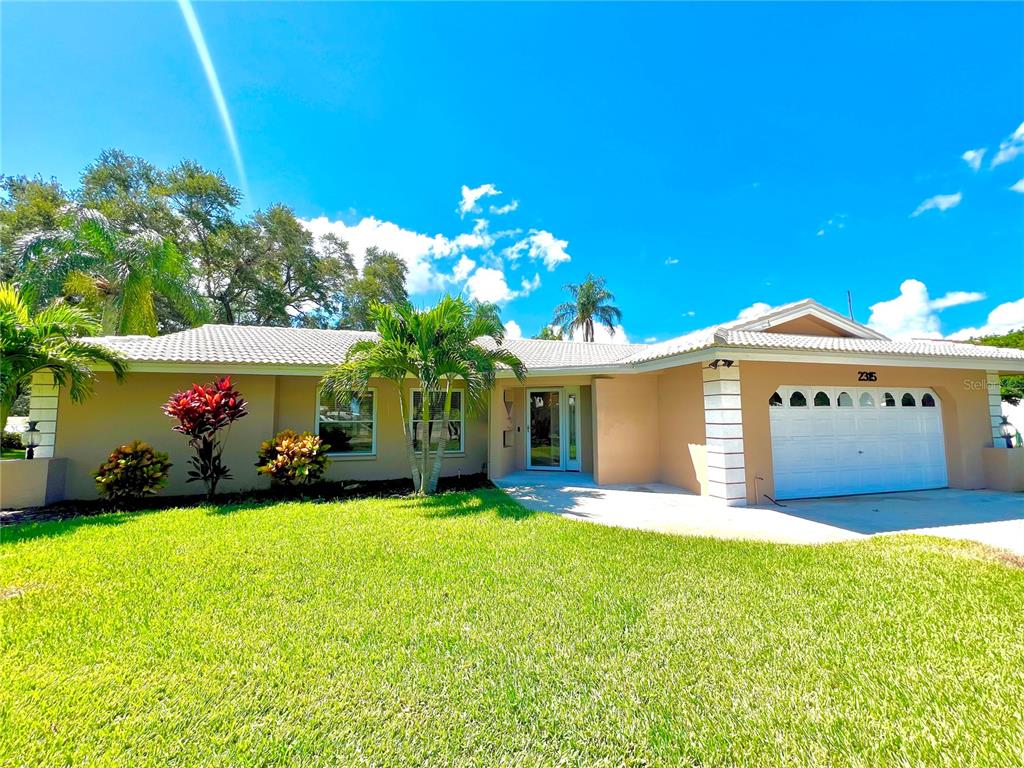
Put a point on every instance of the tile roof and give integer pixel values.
(309, 346)
(239, 344)
(314, 347)
(922, 347)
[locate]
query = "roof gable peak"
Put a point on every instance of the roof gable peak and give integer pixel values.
(808, 309)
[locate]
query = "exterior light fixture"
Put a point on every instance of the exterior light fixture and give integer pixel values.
(713, 365)
(1006, 429)
(31, 444)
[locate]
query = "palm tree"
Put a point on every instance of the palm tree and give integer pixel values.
(118, 275)
(448, 343)
(590, 304)
(468, 350)
(48, 341)
(391, 357)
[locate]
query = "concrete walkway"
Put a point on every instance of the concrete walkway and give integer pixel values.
(989, 517)
(664, 508)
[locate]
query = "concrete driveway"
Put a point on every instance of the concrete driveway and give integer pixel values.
(990, 517)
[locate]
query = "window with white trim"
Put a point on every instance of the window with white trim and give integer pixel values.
(348, 425)
(455, 440)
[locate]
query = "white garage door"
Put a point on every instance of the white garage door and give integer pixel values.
(828, 441)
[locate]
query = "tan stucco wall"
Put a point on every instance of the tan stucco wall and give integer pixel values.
(1004, 469)
(31, 482)
(119, 413)
(963, 396)
(296, 409)
(650, 428)
(626, 431)
(116, 414)
(683, 458)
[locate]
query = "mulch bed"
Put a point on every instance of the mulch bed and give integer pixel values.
(327, 491)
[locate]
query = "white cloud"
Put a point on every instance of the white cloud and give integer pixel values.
(909, 315)
(437, 262)
(955, 299)
(1003, 319)
(512, 330)
(420, 252)
(914, 314)
(489, 284)
(671, 260)
(973, 157)
(756, 309)
(463, 268)
(650, 339)
(501, 210)
(478, 238)
(603, 336)
(689, 313)
(1009, 149)
(540, 245)
(1018, 187)
(470, 196)
(942, 202)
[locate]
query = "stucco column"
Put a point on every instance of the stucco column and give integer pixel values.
(723, 428)
(995, 408)
(43, 409)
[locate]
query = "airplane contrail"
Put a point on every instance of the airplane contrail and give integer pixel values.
(218, 95)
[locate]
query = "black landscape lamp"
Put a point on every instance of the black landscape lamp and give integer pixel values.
(31, 444)
(1007, 430)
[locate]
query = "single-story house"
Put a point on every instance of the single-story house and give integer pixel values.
(799, 402)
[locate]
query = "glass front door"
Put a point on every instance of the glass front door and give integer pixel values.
(545, 429)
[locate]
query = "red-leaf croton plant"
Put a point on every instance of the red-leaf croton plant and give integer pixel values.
(202, 412)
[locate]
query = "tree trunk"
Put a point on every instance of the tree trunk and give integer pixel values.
(5, 411)
(425, 447)
(407, 431)
(442, 440)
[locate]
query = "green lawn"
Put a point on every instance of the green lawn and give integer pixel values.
(464, 630)
(13, 453)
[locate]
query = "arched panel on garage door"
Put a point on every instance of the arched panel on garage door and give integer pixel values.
(850, 441)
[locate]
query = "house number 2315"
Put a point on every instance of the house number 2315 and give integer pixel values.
(867, 376)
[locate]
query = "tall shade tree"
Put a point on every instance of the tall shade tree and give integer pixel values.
(116, 273)
(591, 304)
(126, 189)
(26, 205)
(50, 340)
(448, 344)
(382, 282)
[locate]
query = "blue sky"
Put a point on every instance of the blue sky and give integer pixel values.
(703, 158)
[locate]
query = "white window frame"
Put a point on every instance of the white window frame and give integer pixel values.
(350, 454)
(462, 418)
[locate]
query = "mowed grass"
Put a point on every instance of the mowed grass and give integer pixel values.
(464, 630)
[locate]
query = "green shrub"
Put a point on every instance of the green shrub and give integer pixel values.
(11, 441)
(291, 458)
(132, 471)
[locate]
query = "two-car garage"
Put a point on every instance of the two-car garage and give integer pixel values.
(830, 441)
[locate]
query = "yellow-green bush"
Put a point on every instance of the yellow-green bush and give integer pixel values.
(132, 471)
(291, 458)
